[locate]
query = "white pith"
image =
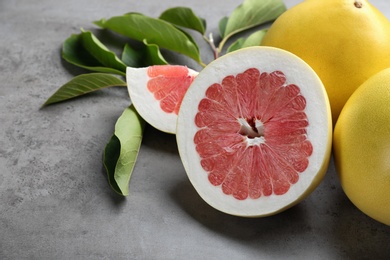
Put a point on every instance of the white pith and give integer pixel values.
(145, 103)
(297, 72)
(252, 137)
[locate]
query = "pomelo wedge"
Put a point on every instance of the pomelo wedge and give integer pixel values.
(254, 132)
(157, 92)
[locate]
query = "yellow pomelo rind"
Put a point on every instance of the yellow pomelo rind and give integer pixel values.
(344, 44)
(362, 147)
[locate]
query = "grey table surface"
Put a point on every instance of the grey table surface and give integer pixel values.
(55, 202)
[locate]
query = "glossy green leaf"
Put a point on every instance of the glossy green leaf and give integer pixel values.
(121, 152)
(132, 57)
(96, 48)
(145, 56)
(184, 17)
(154, 31)
(222, 26)
(83, 84)
(86, 51)
(252, 40)
(252, 13)
(153, 55)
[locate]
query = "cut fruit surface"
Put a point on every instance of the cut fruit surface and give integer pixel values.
(254, 132)
(157, 92)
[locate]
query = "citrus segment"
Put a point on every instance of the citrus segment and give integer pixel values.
(169, 84)
(157, 92)
(254, 131)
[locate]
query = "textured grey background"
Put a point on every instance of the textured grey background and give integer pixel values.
(55, 202)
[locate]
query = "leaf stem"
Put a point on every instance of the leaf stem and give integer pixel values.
(210, 41)
(202, 64)
(224, 40)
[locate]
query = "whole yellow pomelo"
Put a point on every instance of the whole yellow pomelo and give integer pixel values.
(362, 147)
(344, 41)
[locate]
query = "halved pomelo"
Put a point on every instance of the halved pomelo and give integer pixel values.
(157, 92)
(254, 132)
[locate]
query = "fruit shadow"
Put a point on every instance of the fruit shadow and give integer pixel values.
(333, 228)
(326, 217)
(160, 141)
(356, 235)
(349, 232)
(257, 230)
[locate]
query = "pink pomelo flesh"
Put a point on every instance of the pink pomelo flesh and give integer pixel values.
(169, 84)
(252, 137)
(157, 92)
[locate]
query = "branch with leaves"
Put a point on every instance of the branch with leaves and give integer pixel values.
(171, 31)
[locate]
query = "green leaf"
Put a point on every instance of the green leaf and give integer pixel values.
(252, 40)
(86, 51)
(252, 13)
(153, 55)
(132, 57)
(83, 84)
(148, 55)
(121, 152)
(101, 52)
(110, 158)
(184, 17)
(154, 31)
(222, 26)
